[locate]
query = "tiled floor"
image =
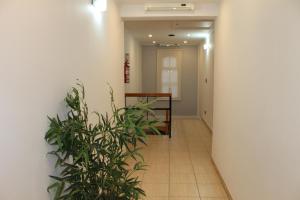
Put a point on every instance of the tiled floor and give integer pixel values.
(181, 168)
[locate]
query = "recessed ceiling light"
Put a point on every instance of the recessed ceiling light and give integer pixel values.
(185, 42)
(150, 35)
(154, 42)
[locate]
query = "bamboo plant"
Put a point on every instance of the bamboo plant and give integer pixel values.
(93, 159)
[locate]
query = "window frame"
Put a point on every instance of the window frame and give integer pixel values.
(161, 53)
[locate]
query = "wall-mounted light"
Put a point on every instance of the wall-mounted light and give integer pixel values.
(100, 5)
(150, 35)
(207, 46)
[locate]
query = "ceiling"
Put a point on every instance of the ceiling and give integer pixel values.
(191, 31)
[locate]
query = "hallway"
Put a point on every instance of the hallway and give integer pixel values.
(181, 168)
(233, 64)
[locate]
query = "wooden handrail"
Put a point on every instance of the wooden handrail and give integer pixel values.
(168, 110)
(148, 95)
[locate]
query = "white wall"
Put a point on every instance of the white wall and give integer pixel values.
(206, 82)
(133, 47)
(45, 46)
(257, 100)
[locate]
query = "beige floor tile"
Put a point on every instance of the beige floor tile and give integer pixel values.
(182, 178)
(156, 189)
(156, 177)
(200, 154)
(212, 190)
(158, 161)
(139, 175)
(155, 198)
(183, 190)
(178, 162)
(185, 198)
(158, 168)
(208, 178)
(180, 154)
(181, 168)
(204, 169)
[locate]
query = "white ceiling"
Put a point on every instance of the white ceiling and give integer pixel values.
(160, 30)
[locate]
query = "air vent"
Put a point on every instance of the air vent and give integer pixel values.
(169, 7)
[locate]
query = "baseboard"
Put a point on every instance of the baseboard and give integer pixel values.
(206, 125)
(222, 180)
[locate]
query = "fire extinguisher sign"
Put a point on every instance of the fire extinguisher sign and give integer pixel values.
(126, 68)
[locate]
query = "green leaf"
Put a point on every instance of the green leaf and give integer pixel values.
(93, 158)
(54, 185)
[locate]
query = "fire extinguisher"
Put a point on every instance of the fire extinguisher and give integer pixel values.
(126, 68)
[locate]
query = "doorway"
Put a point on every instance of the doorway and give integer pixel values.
(191, 82)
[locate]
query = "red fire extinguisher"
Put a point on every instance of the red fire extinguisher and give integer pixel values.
(126, 68)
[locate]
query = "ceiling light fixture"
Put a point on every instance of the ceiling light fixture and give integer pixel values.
(169, 7)
(185, 41)
(100, 5)
(154, 42)
(150, 35)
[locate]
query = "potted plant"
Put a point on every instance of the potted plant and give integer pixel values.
(92, 159)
